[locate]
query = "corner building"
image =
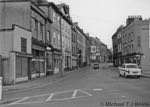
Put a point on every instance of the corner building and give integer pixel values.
(136, 42)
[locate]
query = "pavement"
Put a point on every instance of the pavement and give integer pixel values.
(146, 74)
(38, 82)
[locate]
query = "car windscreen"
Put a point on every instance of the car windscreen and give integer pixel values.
(132, 66)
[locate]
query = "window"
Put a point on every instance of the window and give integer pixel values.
(33, 28)
(48, 36)
(54, 35)
(54, 16)
(58, 18)
(139, 41)
(63, 42)
(41, 31)
(23, 45)
(36, 28)
(58, 39)
(72, 37)
(72, 51)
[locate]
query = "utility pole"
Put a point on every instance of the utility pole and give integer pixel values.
(61, 48)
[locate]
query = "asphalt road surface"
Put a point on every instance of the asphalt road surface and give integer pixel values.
(87, 88)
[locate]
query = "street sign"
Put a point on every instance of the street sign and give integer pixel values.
(93, 49)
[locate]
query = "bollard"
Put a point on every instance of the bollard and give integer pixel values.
(0, 88)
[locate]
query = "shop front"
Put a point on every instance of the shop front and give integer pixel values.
(22, 62)
(49, 63)
(56, 61)
(38, 62)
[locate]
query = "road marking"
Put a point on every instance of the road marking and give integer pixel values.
(32, 102)
(86, 93)
(50, 97)
(97, 89)
(69, 98)
(20, 100)
(74, 93)
(64, 91)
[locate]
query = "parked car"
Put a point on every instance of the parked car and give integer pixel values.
(129, 69)
(96, 66)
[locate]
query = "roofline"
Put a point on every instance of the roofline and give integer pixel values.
(13, 26)
(39, 9)
(80, 30)
(55, 7)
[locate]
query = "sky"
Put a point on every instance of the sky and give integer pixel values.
(101, 18)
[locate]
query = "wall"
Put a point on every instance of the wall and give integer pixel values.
(55, 28)
(36, 16)
(145, 42)
(6, 44)
(14, 13)
(18, 33)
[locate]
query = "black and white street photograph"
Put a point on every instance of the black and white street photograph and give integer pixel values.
(74, 53)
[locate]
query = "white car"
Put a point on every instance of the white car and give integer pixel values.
(129, 69)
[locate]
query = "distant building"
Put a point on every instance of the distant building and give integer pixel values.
(98, 50)
(81, 47)
(87, 53)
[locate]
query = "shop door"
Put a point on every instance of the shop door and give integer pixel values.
(21, 67)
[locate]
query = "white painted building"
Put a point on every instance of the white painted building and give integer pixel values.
(15, 49)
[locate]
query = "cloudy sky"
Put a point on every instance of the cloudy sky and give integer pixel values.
(101, 18)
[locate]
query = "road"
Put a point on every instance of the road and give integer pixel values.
(87, 88)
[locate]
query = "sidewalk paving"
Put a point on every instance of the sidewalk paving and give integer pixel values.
(146, 74)
(38, 82)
